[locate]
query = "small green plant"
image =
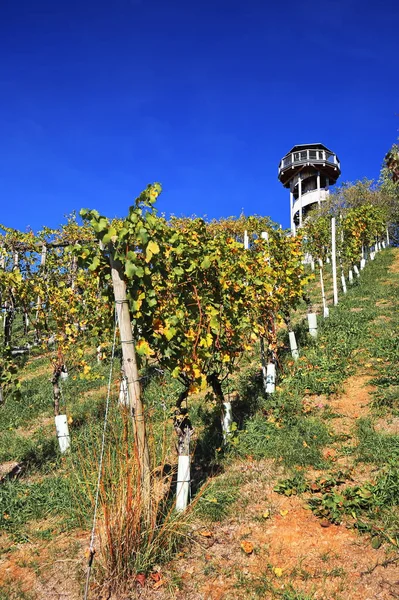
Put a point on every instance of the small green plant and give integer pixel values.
(368, 505)
(292, 486)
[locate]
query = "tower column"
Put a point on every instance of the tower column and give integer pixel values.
(318, 187)
(300, 199)
(293, 228)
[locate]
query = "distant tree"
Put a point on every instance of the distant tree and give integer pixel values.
(389, 182)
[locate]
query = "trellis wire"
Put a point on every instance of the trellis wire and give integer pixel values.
(100, 465)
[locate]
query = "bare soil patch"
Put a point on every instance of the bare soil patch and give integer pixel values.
(352, 404)
(330, 562)
(48, 570)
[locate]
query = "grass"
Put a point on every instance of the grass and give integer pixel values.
(375, 447)
(24, 502)
(298, 444)
(257, 587)
(131, 539)
(216, 501)
(13, 590)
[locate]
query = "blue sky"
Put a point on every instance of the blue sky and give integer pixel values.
(99, 98)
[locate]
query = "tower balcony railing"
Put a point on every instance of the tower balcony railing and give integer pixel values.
(308, 156)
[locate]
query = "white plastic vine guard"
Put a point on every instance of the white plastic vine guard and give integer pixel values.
(183, 483)
(61, 426)
(270, 378)
(227, 419)
(362, 263)
(293, 345)
(312, 321)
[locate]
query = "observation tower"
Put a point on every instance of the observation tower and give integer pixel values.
(307, 170)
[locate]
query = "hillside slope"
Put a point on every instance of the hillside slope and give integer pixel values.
(303, 504)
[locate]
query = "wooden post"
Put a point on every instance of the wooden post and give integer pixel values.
(56, 389)
(42, 264)
(323, 294)
(15, 259)
(132, 377)
(334, 261)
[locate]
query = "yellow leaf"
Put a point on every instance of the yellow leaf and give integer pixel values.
(278, 571)
(266, 514)
(152, 248)
(206, 342)
(205, 533)
(143, 348)
(283, 513)
(226, 358)
(196, 372)
(305, 444)
(247, 547)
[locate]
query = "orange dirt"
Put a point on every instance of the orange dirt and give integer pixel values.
(353, 403)
(330, 562)
(51, 570)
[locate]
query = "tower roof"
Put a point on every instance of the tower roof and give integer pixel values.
(314, 146)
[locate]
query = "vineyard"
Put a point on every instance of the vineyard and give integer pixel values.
(189, 408)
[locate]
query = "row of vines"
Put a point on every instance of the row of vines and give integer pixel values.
(188, 296)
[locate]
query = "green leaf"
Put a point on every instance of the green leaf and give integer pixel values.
(376, 542)
(130, 269)
(143, 235)
(122, 233)
(169, 332)
(111, 233)
(206, 263)
(100, 224)
(95, 264)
